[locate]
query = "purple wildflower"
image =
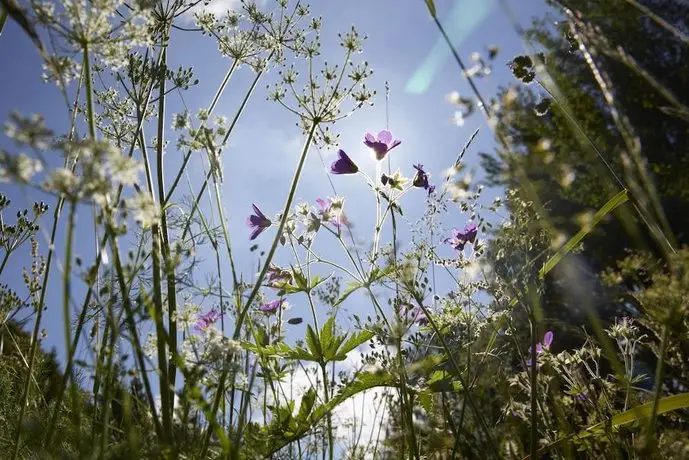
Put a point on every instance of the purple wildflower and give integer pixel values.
(381, 144)
(343, 165)
(583, 396)
(271, 307)
(421, 177)
(207, 319)
(257, 222)
(460, 238)
(330, 213)
(545, 345)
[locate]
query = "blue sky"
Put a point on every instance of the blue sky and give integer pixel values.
(403, 47)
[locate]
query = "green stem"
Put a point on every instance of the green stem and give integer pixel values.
(165, 249)
(4, 261)
(326, 400)
(533, 374)
(211, 108)
(658, 385)
(67, 275)
(131, 324)
(226, 235)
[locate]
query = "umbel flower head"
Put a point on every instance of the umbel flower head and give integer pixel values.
(257, 222)
(343, 164)
(460, 238)
(382, 143)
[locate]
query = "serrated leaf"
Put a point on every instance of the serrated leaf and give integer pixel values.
(300, 280)
(438, 376)
(354, 341)
(327, 334)
(317, 281)
(307, 402)
(287, 288)
(313, 343)
(425, 398)
(351, 287)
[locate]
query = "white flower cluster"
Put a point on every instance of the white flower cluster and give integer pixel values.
(108, 27)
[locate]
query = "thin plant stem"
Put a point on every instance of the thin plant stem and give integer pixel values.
(658, 384)
(211, 108)
(533, 375)
(157, 267)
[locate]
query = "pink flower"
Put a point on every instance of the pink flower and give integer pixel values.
(207, 319)
(545, 345)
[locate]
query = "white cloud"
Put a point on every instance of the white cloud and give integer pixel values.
(217, 7)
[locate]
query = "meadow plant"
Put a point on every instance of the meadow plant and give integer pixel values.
(159, 364)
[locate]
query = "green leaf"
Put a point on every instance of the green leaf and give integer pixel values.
(313, 343)
(351, 287)
(307, 402)
(667, 404)
(609, 207)
(317, 280)
(327, 334)
(300, 279)
(425, 398)
(354, 341)
(431, 7)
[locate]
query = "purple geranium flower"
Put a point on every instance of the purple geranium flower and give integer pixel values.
(461, 238)
(343, 165)
(381, 144)
(545, 345)
(271, 307)
(207, 319)
(257, 222)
